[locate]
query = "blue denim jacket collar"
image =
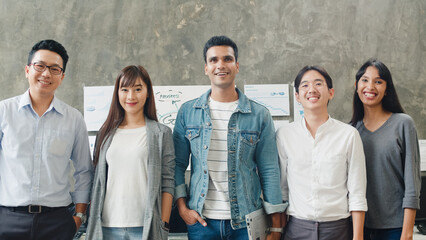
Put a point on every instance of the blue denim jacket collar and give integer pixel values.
(243, 102)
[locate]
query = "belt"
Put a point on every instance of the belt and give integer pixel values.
(34, 209)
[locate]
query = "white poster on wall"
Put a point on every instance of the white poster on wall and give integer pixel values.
(168, 99)
(97, 101)
(298, 109)
(273, 96)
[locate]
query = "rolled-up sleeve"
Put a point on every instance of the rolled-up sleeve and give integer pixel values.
(168, 163)
(411, 155)
(268, 168)
(357, 179)
(182, 152)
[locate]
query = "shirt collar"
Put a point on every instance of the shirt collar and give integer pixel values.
(323, 127)
(26, 101)
(243, 101)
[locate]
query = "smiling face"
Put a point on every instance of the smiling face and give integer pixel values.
(43, 84)
(371, 88)
(314, 93)
(221, 66)
(133, 98)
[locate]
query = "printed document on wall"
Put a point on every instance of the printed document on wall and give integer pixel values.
(97, 101)
(168, 100)
(272, 96)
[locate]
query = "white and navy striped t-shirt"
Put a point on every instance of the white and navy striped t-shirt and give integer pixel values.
(216, 205)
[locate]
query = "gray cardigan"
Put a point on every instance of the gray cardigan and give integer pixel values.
(161, 164)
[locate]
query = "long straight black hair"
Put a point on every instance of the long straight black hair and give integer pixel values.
(127, 78)
(390, 101)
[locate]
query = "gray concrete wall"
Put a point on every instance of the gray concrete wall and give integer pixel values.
(276, 39)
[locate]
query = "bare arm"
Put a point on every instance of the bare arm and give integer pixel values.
(79, 208)
(358, 224)
(407, 227)
(275, 223)
(283, 219)
(166, 206)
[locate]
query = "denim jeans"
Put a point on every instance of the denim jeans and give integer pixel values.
(122, 233)
(215, 230)
(378, 234)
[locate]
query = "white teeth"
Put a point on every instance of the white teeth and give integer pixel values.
(44, 82)
(369, 94)
(312, 98)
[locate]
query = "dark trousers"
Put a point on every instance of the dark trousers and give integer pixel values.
(55, 225)
(298, 229)
(377, 234)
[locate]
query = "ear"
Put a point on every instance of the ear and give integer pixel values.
(27, 70)
(296, 94)
(331, 93)
(62, 78)
(205, 69)
(238, 66)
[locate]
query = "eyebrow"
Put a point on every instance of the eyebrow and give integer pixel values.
(364, 76)
(315, 80)
(226, 56)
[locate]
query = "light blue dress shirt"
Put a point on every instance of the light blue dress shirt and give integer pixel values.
(35, 153)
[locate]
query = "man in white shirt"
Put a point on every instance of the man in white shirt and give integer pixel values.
(323, 175)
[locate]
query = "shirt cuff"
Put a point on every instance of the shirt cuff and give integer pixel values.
(411, 202)
(170, 190)
(274, 208)
(180, 191)
(358, 205)
(80, 196)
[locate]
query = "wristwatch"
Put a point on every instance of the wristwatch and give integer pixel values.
(82, 216)
(279, 230)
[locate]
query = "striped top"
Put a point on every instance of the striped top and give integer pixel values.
(216, 205)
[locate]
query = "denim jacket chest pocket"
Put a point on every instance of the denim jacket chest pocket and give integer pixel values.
(249, 140)
(193, 134)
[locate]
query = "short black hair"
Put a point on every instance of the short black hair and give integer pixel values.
(220, 41)
(50, 45)
(319, 69)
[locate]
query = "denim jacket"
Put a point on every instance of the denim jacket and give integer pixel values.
(252, 157)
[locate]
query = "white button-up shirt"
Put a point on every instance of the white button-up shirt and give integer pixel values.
(322, 178)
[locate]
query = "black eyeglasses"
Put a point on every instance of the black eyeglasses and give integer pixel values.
(41, 67)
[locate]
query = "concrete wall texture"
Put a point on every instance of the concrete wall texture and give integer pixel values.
(276, 39)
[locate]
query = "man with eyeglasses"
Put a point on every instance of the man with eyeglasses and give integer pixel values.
(322, 164)
(39, 134)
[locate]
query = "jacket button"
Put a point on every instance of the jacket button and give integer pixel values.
(208, 124)
(205, 147)
(202, 194)
(205, 171)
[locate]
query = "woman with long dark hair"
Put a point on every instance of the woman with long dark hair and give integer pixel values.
(133, 186)
(391, 151)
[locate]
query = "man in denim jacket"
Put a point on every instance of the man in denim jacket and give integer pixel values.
(231, 143)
